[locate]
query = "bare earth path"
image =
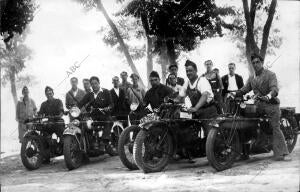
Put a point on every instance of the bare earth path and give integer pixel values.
(106, 173)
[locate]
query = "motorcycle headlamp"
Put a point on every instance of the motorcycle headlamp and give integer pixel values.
(89, 123)
(243, 105)
(74, 112)
(134, 106)
(76, 122)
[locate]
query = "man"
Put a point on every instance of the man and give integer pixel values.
(172, 83)
(125, 84)
(135, 94)
(26, 109)
(87, 85)
(53, 108)
(155, 96)
(265, 88)
(213, 77)
(173, 69)
(232, 81)
(99, 98)
(200, 94)
(121, 106)
(74, 95)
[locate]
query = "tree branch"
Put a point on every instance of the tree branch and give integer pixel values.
(247, 18)
(267, 27)
(253, 7)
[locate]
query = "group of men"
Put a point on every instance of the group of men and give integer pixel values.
(204, 92)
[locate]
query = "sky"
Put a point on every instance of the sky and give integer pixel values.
(62, 34)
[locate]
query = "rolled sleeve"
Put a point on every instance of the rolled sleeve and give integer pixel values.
(204, 86)
(273, 84)
(182, 91)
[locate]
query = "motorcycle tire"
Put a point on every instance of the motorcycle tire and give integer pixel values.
(123, 140)
(112, 147)
(289, 132)
(138, 153)
(211, 150)
(39, 158)
(72, 162)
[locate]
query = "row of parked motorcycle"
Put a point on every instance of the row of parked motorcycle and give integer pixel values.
(153, 137)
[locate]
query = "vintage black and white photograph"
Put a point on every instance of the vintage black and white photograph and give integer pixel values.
(150, 95)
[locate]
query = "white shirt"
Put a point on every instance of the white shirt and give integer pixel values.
(75, 92)
(232, 86)
(117, 91)
(203, 86)
(96, 94)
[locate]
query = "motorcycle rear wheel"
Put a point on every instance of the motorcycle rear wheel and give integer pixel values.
(72, 153)
(289, 128)
(220, 154)
(144, 151)
(125, 146)
(36, 159)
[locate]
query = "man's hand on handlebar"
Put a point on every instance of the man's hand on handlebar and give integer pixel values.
(192, 110)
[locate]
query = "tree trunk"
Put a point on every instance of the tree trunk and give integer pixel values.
(12, 78)
(171, 52)
(120, 40)
(149, 46)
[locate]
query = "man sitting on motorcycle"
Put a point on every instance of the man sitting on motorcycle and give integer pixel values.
(101, 103)
(200, 94)
(155, 96)
(54, 110)
(265, 88)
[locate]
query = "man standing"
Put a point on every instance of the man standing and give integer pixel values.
(200, 93)
(136, 94)
(173, 69)
(125, 84)
(74, 95)
(213, 77)
(155, 96)
(121, 106)
(26, 109)
(87, 85)
(53, 108)
(99, 98)
(232, 81)
(172, 83)
(265, 88)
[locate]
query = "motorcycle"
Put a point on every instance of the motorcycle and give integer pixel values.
(244, 132)
(127, 137)
(173, 131)
(40, 143)
(83, 136)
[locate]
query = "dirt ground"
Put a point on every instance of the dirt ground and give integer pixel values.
(259, 173)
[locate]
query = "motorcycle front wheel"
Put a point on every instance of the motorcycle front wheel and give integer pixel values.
(112, 147)
(72, 154)
(152, 149)
(31, 152)
(222, 148)
(125, 146)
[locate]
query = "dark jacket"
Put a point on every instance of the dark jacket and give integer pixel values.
(102, 100)
(155, 96)
(121, 106)
(72, 100)
(52, 107)
(238, 79)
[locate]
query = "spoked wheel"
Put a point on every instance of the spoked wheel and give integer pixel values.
(222, 148)
(289, 128)
(152, 149)
(31, 153)
(72, 153)
(125, 146)
(112, 147)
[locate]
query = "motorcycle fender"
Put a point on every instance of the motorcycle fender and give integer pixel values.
(30, 133)
(116, 123)
(148, 125)
(73, 130)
